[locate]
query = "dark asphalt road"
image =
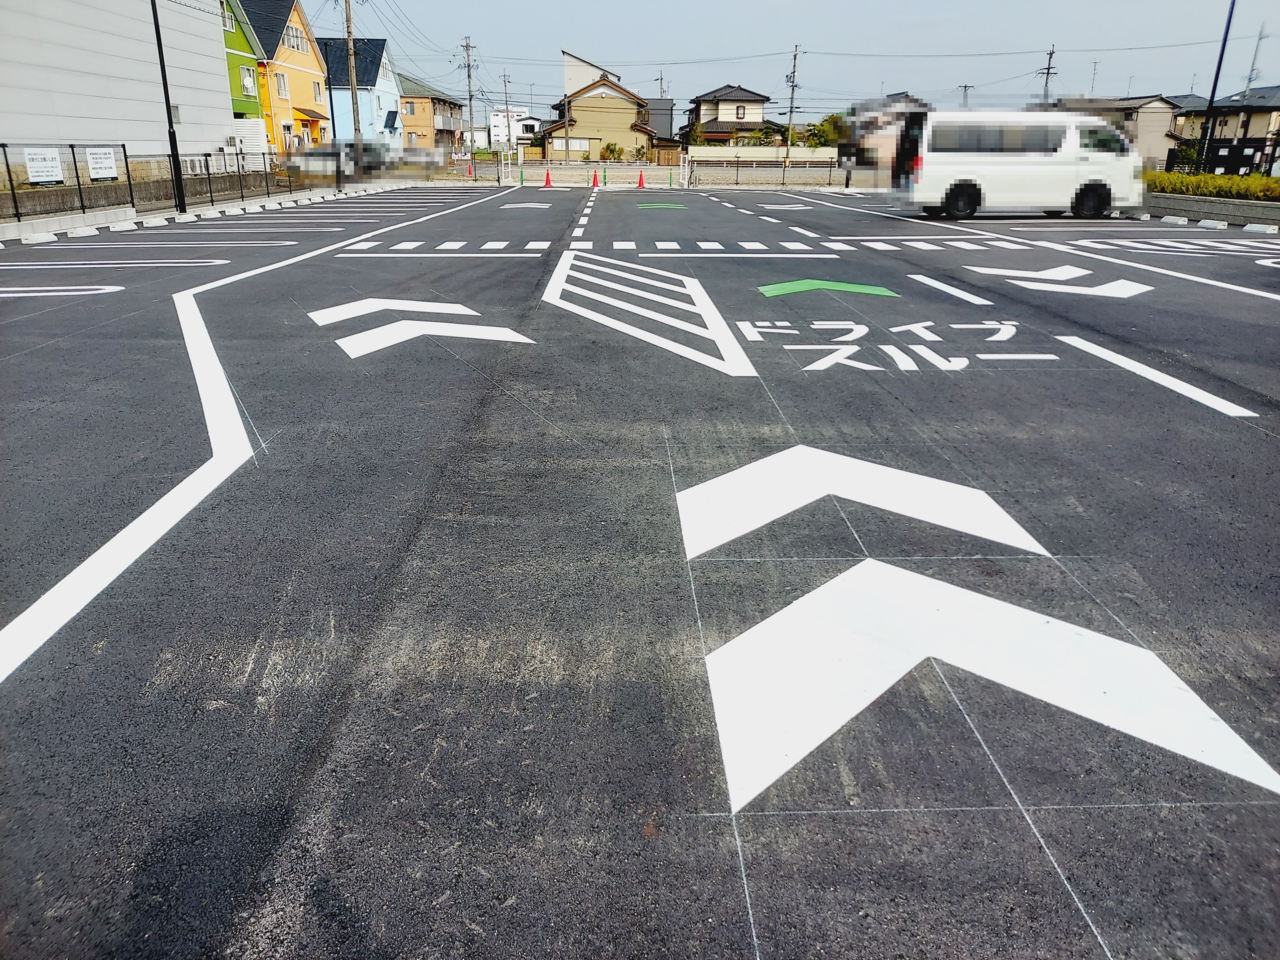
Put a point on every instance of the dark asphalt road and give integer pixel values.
(431, 673)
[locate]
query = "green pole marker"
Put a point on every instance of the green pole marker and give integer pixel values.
(668, 178)
(801, 286)
(606, 176)
(522, 176)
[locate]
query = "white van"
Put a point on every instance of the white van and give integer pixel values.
(955, 164)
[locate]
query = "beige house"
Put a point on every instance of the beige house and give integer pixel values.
(431, 117)
(729, 113)
(599, 113)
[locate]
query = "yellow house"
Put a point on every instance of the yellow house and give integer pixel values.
(291, 82)
(598, 114)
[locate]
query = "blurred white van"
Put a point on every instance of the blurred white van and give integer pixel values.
(955, 164)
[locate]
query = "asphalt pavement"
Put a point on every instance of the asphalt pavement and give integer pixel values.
(510, 572)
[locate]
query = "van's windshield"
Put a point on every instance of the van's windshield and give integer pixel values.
(996, 138)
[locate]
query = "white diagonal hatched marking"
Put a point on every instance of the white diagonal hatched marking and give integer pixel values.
(694, 300)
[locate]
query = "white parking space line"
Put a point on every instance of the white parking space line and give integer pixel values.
(107, 264)
(13, 292)
(947, 288)
(921, 245)
(1163, 379)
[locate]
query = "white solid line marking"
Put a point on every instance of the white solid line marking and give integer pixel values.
(1017, 356)
(408, 245)
(776, 256)
(947, 288)
(624, 244)
(108, 264)
(710, 245)
(360, 308)
(537, 244)
(1155, 376)
(667, 245)
(802, 231)
(29, 630)
(55, 291)
(438, 256)
(452, 245)
(752, 245)
(387, 336)
(921, 245)
(494, 245)
(364, 245)
(112, 244)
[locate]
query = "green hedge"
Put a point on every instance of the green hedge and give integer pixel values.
(1215, 185)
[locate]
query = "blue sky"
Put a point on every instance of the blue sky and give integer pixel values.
(928, 47)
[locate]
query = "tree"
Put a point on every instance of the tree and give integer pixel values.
(824, 133)
(697, 138)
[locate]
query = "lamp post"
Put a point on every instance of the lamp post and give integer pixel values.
(175, 167)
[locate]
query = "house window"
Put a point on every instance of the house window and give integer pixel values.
(526, 128)
(228, 18)
(173, 113)
(295, 39)
(248, 82)
(409, 108)
(384, 72)
(378, 104)
(282, 85)
(742, 113)
(317, 91)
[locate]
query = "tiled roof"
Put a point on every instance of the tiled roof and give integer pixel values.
(413, 87)
(268, 19)
(368, 60)
(733, 126)
(732, 92)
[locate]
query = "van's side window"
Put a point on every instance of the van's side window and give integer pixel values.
(983, 138)
(1103, 139)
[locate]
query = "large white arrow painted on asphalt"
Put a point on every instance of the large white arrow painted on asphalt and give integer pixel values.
(783, 687)
(723, 509)
(1034, 280)
(359, 308)
(1067, 272)
(390, 334)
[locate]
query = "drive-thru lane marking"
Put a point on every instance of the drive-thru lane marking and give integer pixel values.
(360, 344)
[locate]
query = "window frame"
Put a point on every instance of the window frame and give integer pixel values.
(741, 112)
(248, 81)
(317, 91)
(282, 85)
(228, 18)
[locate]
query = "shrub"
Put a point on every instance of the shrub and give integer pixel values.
(1214, 185)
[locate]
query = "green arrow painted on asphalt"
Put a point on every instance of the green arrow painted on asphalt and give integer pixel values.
(662, 206)
(800, 286)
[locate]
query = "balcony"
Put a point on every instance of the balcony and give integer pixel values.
(448, 123)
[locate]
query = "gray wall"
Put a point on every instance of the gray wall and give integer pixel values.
(86, 71)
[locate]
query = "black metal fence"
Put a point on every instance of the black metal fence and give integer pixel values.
(55, 180)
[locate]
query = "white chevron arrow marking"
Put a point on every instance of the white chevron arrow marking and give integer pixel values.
(1053, 273)
(359, 308)
(783, 687)
(723, 509)
(1119, 289)
(402, 330)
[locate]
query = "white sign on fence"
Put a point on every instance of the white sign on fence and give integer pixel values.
(102, 163)
(43, 166)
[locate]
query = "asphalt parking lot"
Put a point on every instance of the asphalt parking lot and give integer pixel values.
(475, 572)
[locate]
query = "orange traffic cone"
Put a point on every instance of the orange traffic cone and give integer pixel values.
(641, 185)
(469, 170)
(548, 183)
(595, 178)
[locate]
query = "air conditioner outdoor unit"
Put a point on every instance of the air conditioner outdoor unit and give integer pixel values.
(235, 143)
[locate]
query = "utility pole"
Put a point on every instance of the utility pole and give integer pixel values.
(1206, 128)
(471, 106)
(662, 87)
(965, 88)
(1129, 89)
(1048, 72)
(506, 99)
(791, 110)
(357, 137)
(1248, 84)
(1094, 81)
(175, 164)
(1193, 83)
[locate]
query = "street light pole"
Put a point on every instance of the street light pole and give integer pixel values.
(1207, 126)
(175, 164)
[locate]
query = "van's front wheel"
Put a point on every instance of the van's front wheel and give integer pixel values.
(961, 203)
(1091, 203)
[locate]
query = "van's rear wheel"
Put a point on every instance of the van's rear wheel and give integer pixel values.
(1091, 203)
(933, 213)
(961, 203)
(1054, 214)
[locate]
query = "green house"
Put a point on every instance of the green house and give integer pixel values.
(243, 53)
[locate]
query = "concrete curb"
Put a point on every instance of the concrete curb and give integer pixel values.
(1237, 212)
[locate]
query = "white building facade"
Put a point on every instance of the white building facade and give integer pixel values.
(87, 72)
